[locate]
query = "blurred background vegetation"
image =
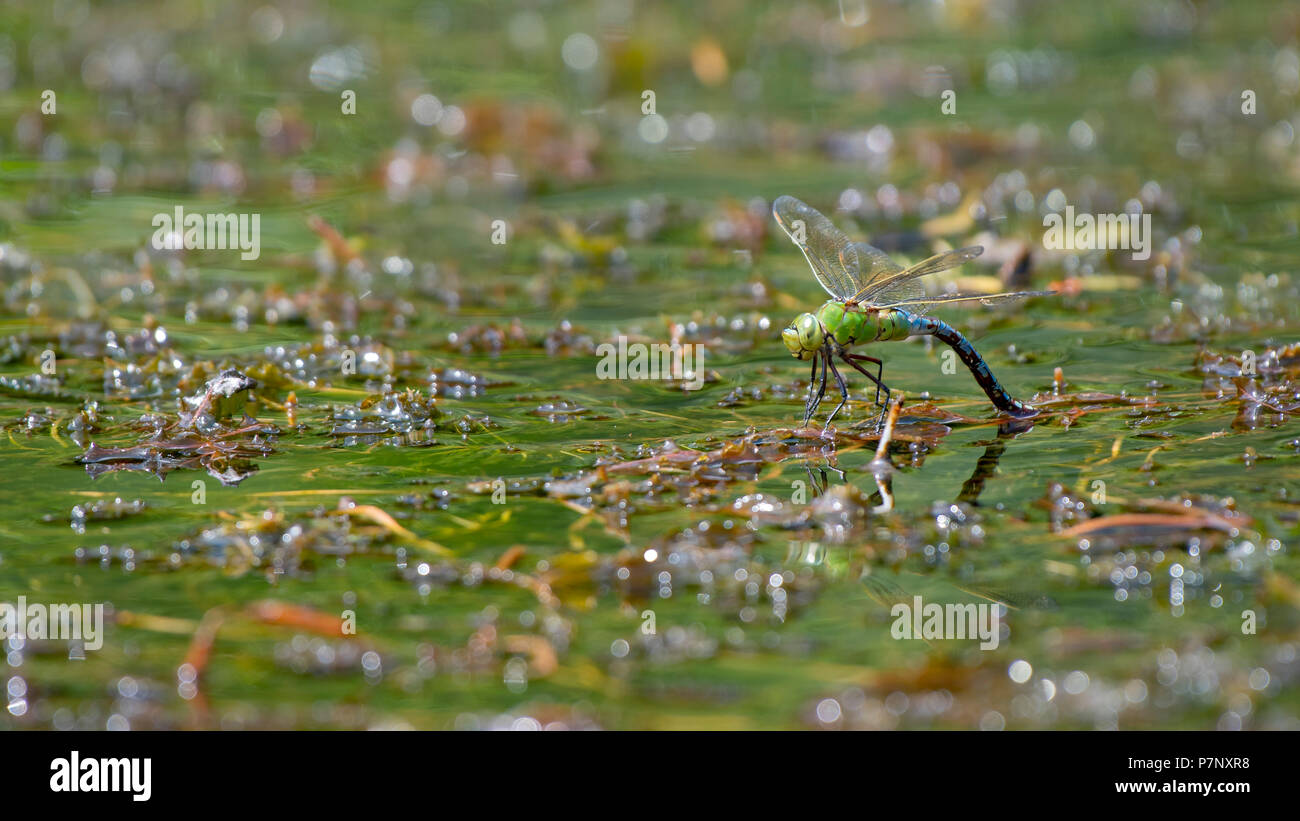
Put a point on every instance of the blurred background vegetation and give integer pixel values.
(654, 223)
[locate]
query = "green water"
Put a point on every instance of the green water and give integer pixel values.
(1102, 104)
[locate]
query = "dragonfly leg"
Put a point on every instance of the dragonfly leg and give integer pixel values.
(880, 386)
(844, 392)
(812, 391)
(821, 389)
(880, 369)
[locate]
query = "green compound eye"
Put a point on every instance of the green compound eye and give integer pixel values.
(810, 332)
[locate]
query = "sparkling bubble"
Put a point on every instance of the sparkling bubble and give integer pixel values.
(526, 724)
(1229, 722)
(333, 68)
(897, 703)
(700, 127)
(1135, 692)
(653, 128)
(269, 122)
(880, 139)
(1082, 135)
(992, 721)
(452, 121)
(426, 109)
(828, 711)
(1020, 671)
(579, 51)
(1076, 682)
(267, 24)
(1049, 688)
(1143, 83)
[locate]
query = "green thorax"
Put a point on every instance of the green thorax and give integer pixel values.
(858, 324)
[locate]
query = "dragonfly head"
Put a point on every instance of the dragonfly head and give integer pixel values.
(804, 337)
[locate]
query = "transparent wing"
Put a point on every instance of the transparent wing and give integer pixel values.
(920, 306)
(889, 286)
(878, 268)
(874, 265)
(833, 258)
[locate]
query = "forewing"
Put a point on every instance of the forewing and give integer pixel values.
(828, 250)
(922, 305)
(898, 290)
(944, 261)
(874, 265)
(889, 285)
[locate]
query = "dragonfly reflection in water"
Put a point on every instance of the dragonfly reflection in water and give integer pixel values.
(874, 299)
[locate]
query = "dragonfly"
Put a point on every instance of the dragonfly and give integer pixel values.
(874, 299)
